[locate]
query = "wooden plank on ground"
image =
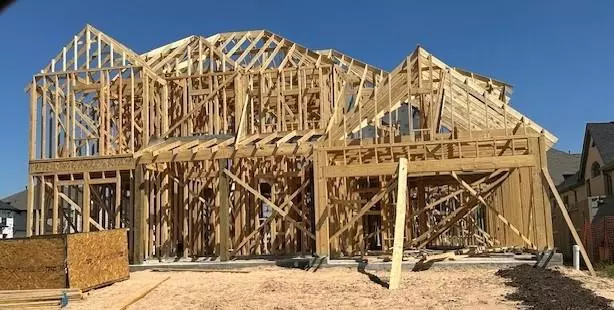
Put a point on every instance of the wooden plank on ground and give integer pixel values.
(142, 294)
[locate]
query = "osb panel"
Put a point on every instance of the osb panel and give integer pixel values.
(32, 263)
(97, 258)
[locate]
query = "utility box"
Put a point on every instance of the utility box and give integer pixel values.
(80, 260)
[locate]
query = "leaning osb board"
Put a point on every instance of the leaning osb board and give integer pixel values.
(32, 263)
(97, 258)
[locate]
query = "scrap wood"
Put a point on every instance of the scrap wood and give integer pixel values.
(32, 305)
(142, 294)
(419, 253)
(507, 249)
(472, 250)
(42, 290)
(45, 297)
(25, 296)
(439, 257)
(198, 270)
(499, 249)
(38, 298)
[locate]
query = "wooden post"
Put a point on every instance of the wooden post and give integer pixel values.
(539, 198)
(165, 108)
(399, 226)
(165, 212)
(224, 211)
(30, 207)
(137, 226)
(185, 208)
(33, 102)
(572, 228)
(85, 216)
(42, 203)
(145, 216)
(55, 207)
(118, 198)
(43, 143)
(129, 214)
(321, 205)
(547, 207)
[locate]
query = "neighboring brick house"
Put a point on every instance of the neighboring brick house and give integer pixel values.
(13, 215)
(587, 193)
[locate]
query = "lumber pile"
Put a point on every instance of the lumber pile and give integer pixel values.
(38, 298)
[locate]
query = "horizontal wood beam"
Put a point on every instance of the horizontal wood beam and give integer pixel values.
(112, 180)
(81, 164)
(443, 166)
(251, 151)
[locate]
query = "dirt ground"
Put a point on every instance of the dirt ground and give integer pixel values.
(327, 288)
(550, 289)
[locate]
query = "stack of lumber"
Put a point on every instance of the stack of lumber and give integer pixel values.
(39, 298)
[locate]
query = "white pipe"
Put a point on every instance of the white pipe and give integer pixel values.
(576, 256)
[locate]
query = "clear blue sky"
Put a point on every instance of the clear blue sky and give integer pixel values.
(559, 55)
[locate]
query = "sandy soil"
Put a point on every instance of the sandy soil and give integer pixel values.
(327, 288)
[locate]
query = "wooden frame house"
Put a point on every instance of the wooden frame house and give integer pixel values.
(245, 143)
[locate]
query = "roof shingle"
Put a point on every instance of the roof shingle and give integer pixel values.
(603, 136)
(562, 163)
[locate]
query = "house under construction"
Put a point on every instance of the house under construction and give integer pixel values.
(246, 144)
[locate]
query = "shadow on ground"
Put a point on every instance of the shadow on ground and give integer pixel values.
(375, 279)
(307, 264)
(422, 265)
(538, 288)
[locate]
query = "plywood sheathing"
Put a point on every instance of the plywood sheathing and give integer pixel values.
(96, 259)
(32, 263)
(81, 260)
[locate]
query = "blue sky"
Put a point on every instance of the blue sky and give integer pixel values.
(559, 55)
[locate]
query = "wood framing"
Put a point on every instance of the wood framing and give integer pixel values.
(399, 225)
(247, 144)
